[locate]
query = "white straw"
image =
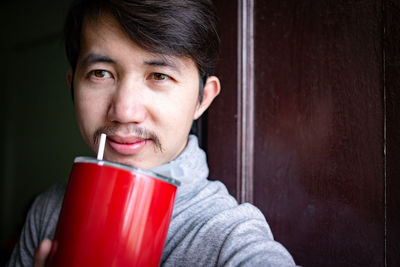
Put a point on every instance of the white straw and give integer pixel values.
(102, 143)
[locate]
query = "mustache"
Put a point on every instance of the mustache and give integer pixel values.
(128, 130)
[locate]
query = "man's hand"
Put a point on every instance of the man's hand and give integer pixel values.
(42, 253)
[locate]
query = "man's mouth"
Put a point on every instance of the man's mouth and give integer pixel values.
(126, 145)
(127, 140)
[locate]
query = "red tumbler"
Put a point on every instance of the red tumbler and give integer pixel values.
(112, 215)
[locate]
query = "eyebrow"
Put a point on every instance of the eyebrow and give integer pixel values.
(95, 58)
(163, 62)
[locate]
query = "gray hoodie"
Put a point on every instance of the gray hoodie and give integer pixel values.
(208, 227)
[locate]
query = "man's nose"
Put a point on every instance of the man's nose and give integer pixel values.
(127, 105)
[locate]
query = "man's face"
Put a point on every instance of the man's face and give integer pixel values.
(144, 102)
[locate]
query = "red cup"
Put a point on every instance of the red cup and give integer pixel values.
(112, 215)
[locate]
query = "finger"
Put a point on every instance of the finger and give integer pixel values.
(42, 252)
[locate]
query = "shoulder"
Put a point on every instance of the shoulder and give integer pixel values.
(40, 223)
(43, 215)
(250, 241)
(211, 228)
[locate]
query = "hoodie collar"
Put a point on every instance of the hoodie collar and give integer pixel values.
(190, 167)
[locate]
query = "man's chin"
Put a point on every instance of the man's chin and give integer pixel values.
(142, 164)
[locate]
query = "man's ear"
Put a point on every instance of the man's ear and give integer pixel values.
(211, 89)
(69, 78)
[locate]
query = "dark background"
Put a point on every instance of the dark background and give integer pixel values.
(314, 142)
(39, 137)
(306, 126)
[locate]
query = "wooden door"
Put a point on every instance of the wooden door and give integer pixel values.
(307, 125)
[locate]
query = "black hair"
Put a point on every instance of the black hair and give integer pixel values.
(169, 27)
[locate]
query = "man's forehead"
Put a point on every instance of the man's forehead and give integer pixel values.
(94, 51)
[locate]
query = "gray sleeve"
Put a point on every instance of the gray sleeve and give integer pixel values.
(40, 223)
(23, 252)
(250, 242)
(236, 236)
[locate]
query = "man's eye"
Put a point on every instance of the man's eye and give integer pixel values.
(101, 74)
(159, 76)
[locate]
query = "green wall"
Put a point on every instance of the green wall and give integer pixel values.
(39, 139)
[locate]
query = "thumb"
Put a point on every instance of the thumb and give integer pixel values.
(42, 253)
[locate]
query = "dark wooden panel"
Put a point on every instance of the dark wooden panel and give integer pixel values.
(319, 129)
(392, 82)
(222, 116)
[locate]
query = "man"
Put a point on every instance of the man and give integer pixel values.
(141, 73)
